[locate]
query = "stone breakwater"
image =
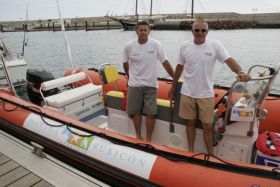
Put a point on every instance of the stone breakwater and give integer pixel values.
(173, 22)
(213, 24)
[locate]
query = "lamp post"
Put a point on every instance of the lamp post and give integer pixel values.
(254, 10)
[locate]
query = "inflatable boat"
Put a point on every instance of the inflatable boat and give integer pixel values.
(80, 119)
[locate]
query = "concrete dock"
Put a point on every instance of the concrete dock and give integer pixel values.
(20, 167)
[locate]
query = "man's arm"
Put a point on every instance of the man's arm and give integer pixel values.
(235, 67)
(126, 69)
(168, 68)
(177, 75)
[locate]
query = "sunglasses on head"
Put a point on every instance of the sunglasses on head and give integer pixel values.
(198, 30)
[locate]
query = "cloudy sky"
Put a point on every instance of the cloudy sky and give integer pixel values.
(11, 10)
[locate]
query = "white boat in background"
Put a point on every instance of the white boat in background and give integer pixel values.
(15, 64)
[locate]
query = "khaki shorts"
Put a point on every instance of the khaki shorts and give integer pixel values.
(142, 99)
(190, 107)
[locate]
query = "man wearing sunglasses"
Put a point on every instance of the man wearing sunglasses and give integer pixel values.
(196, 61)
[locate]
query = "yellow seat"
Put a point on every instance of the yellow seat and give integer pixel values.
(108, 73)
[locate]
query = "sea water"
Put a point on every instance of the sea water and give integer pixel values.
(92, 48)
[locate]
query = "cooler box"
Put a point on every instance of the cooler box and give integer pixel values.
(264, 159)
(268, 149)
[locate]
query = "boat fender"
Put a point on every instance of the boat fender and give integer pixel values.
(269, 143)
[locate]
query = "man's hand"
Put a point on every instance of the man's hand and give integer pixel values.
(243, 77)
(171, 92)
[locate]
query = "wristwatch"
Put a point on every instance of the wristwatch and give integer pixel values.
(241, 72)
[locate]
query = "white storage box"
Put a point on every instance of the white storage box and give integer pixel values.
(267, 160)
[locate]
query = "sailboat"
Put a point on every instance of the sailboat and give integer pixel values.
(130, 24)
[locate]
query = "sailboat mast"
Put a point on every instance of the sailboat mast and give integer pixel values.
(136, 10)
(151, 8)
(192, 9)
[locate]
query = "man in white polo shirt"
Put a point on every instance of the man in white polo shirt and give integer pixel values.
(140, 59)
(196, 61)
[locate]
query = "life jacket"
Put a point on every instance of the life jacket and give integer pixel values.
(269, 143)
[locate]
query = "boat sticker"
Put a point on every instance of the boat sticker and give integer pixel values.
(82, 142)
(242, 114)
(132, 160)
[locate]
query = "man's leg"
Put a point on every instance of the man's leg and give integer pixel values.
(137, 124)
(150, 108)
(134, 106)
(190, 126)
(188, 111)
(150, 123)
(208, 137)
(206, 116)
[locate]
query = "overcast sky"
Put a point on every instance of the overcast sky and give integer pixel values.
(44, 9)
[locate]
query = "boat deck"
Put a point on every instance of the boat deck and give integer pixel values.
(20, 167)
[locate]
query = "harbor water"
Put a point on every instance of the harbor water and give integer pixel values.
(90, 49)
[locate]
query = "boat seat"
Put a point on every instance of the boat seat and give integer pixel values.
(70, 96)
(108, 73)
(114, 99)
(45, 86)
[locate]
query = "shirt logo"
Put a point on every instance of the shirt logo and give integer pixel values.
(151, 52)
(135, 54)
(208, 54)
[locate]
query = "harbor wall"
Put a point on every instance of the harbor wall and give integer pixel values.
(173, 21)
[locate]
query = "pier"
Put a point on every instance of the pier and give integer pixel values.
(20, 167)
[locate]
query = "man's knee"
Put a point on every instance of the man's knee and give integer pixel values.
(207, 127)
(151, 116)
(190, 122)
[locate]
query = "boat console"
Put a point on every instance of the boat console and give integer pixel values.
(243, 114)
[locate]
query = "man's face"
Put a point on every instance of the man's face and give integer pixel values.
(143, 32)
(200, 30)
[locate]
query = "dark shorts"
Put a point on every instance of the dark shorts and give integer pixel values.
(142, 99)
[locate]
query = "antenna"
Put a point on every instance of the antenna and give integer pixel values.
(65, 36)
(25, 29)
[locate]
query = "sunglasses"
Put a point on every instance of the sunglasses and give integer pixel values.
(198, 30)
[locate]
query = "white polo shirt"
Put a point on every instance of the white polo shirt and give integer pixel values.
(199, 61)
(143, 59)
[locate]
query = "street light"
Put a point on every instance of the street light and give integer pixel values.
(254, 10)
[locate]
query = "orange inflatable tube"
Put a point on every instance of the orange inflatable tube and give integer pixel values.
(164, 172)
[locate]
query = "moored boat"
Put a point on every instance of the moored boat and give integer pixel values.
(16, 65)
(69, 124)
